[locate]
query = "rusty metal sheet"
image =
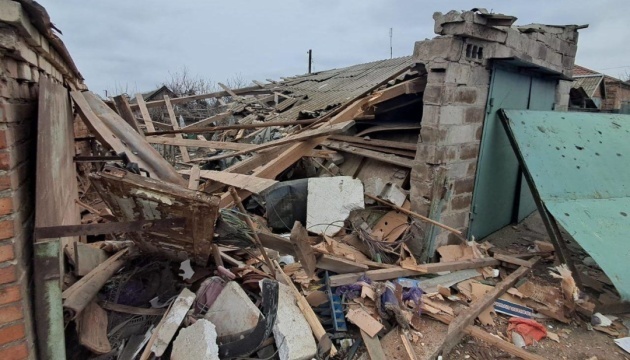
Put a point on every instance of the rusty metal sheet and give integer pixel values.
(578, 163)
(133, 197)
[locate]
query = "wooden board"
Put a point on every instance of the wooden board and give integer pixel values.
(306, 135)
(193, 177)
(173, 118)
(371, 154)
(122, 105)
(393, 273)
(144, 112)
(207, 121)
(375, 142)
(299, 239)
(119, 136)
(92, 329)
(339, 264)
(56, 186)
(373, 346)
(250, 183)
(364, 321)
(132, 197)
(220, 145)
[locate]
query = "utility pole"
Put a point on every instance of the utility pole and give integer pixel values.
(391, 49)
(310, 60)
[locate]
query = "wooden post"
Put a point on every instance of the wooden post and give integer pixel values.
(171, 115)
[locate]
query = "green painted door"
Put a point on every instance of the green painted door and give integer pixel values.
(501, 195)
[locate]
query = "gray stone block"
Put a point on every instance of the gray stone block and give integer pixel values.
(196, 342)
(291, 332)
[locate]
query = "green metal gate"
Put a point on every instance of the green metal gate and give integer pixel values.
(501, 195)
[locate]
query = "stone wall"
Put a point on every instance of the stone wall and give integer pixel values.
(26, 55)
(458, 66)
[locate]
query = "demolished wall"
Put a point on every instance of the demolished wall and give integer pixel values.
(458, 63)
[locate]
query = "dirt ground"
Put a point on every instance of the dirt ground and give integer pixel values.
(577, 342)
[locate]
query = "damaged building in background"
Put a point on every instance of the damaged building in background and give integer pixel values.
(360, 205)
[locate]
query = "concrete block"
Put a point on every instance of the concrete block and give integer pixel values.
(475, 31)
(459, 134)
(452, 115)
(291, 332)
(196, 342)
(233, 313)
(457, 170)
(457, 73)
(447, 47)
(330, 201)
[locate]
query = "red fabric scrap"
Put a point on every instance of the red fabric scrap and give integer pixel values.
(529, 329)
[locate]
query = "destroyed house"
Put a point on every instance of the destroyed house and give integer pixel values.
(303, 210)
(593, 91)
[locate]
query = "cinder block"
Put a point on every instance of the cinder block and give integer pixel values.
(457, 170)
(452, 115)
(459, 134)
(291, 332)
(196, 342)
(475, 115)
(457, 73)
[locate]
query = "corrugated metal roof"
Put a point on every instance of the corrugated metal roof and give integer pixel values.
(326, 89)
(588, 83)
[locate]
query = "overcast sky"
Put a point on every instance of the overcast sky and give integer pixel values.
(120, 43)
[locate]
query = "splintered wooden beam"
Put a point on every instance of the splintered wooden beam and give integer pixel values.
(199, 125)
(171, 116)
(145, 113)
(299, 239)
(375, 142)
(50, 232)
(125, 112)
(310, 134)
(193, 177)
(221, 145)
(193, 129)
(250, 183)
(456, 327)
(371, 154)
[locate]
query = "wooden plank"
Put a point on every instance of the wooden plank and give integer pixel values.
(144, 112)
(299, 239)
(250, 183)
(511, 260)
(305, 307)
(481, 334)
(339, 264)
(49, 232)
(78, 296)
(193, 177)
(92, 329)
(172, 321)
(373, 345)
(375, 142)
(408, 347)
(252, 90)
(116, 134)
(393, 273)
(87, 258)
(391, 127)
(306, 135)
(193, 129)
(171, 116)
(455, 328)
(125, 112)
(371, 154)
(383, 150)
(199, 126)
(221, 145)
(407, 87)
(364, 321)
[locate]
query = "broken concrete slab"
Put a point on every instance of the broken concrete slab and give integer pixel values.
(394, 194)
(233, 313)
(171, 321)
(291, 330)
(196, 342)
(330, 201)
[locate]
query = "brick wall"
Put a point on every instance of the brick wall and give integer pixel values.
(18, 121)
(28, 51)
(458, 63)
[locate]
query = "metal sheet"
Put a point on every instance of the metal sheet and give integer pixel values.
(578, 164)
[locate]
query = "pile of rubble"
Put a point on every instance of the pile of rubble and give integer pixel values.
(232, 263)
